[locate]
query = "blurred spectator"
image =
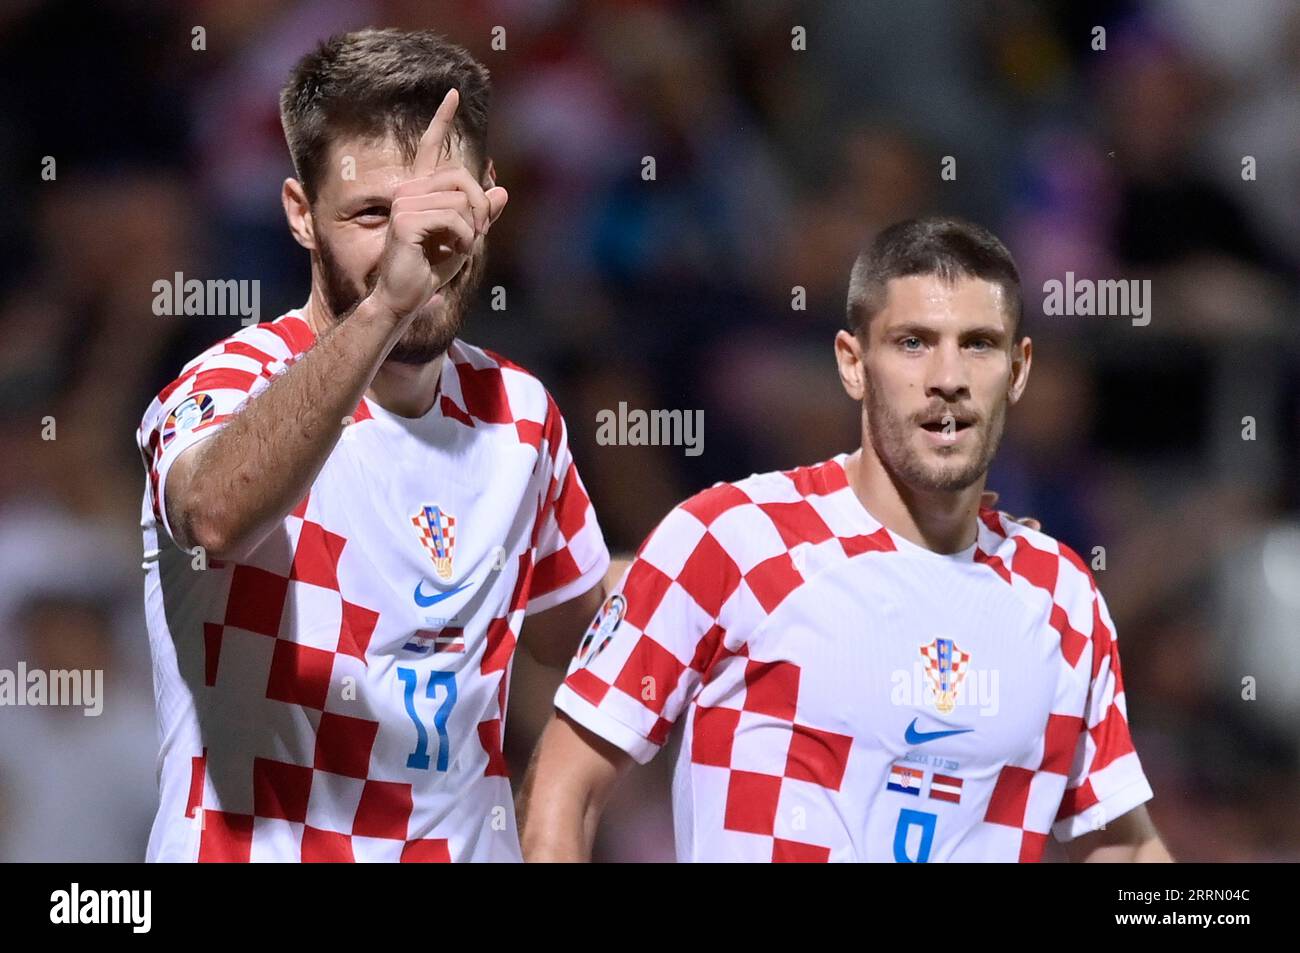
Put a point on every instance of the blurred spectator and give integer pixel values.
(74, 785)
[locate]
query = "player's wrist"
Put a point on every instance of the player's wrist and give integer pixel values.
(374, 309)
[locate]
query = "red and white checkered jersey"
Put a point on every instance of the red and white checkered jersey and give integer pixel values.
(341, 694)
(851, 696)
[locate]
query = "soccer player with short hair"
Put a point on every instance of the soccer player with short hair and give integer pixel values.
(378, 504)
(870, 665)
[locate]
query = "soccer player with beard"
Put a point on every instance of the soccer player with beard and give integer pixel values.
(871, 665)
(349, 511)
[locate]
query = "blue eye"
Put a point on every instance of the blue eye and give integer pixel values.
(908, 342)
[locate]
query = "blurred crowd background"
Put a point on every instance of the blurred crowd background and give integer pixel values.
(773, 167)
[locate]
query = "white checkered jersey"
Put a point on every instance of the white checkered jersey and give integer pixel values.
(851, 696)
(341, 694)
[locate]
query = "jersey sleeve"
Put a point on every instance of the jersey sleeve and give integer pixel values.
(199, 402)
(1106, 779)
(569, 552)
(644, 657)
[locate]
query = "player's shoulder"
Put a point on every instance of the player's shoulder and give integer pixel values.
(772, 488)
(234, 364)
(745, 523)
(1036, 555)
(270, 343)
(745, 511)
(496, 389)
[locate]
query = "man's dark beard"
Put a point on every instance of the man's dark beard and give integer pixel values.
(430, 333)
(891, 435)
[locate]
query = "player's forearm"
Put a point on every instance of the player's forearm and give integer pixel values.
(554, 832)
(245, 479)
(1149, 851)
(1152, 852)
(557, 820)
(562, 797)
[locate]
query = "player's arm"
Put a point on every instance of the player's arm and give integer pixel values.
(552, 636)
(226, 493)
(1129, 839)
(568, 783)
(624, 693)
(229, 491)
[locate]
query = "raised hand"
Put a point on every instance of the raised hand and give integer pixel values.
(435, 218)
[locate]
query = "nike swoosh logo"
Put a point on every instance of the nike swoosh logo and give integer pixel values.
(424, 601)
(914, 737)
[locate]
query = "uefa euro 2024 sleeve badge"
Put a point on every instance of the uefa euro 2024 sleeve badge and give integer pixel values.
(437, 531)
(602, 628)
(945, 668)
(190, 413)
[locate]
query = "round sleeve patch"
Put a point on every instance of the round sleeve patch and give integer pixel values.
(602, 628)
(190, 413)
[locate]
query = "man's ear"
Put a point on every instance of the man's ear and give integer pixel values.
(297, 211)
(1022, 356)
(848, 357)
(489, 174)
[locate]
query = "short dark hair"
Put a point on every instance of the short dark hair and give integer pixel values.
(376, 83)
(950, 248)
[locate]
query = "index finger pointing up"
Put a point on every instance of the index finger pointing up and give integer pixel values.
(431, 143)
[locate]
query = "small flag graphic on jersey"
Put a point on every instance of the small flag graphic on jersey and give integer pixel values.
(437, 535)
(904, 779)
(946, 788)
(441, 640)
(945, 667)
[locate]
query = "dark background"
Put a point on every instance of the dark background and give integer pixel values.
(773, 167)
